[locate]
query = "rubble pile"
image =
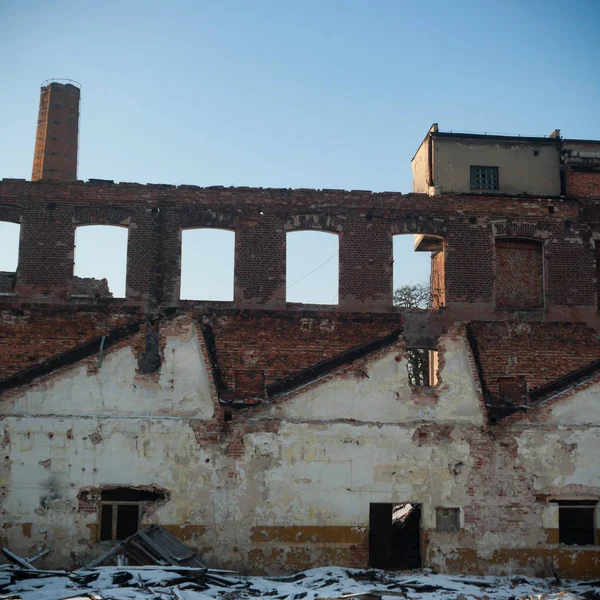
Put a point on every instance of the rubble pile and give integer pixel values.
(172, 571)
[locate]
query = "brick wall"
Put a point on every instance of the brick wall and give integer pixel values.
(30, 335)
(539, 352)
(256, 349)
(49, 213)
(583, 184)
(519, 274)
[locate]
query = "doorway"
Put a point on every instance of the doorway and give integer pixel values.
(395, 535)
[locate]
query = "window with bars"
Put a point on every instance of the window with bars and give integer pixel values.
(484, 178)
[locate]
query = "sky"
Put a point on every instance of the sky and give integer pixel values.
(276, 93)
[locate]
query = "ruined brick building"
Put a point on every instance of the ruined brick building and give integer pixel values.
(275, 436)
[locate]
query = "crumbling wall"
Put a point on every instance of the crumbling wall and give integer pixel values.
(155, 215)
(287, 485)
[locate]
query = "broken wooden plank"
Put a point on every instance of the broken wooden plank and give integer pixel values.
(17, 560)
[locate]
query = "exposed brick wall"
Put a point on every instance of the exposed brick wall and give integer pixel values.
(31, 335)
(262, 348)
(583, 184)
(90, 286)
(519, 273)
(539, 352)
(156, 214)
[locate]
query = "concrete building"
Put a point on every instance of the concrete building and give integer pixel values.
(275, 436)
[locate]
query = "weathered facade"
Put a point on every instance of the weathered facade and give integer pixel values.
(277, 436)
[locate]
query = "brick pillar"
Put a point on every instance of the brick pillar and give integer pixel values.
(366, 257)
(46, 250)
(55, 155)
(260, 263)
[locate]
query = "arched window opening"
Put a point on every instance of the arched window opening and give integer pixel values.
(100, 261)
(418, 272)
(422, 366)
(207, 264)
(9, 255)
(312, 267)
(519, 273)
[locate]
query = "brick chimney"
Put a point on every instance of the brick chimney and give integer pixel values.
(55, 155)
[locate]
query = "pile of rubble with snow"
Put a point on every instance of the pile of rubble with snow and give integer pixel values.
(176, 583)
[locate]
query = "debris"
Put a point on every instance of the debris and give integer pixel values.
(153, 546)
(25, 563)
(182, 583)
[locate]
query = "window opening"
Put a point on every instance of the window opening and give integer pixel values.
(312, 267)
(100, 261)
(395, 536)
(422, 366)
(418, 271)
(121, 511)
(207, 264)
(577, 522)
(9, 255)
(484, 178)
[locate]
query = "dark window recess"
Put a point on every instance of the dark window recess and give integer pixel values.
(395, 536)
(121, 511)
(447, 519)
(484, 178)
(576, 522)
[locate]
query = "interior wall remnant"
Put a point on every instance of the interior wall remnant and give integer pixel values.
(438, 279)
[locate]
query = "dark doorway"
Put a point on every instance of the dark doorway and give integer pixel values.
(395, 536)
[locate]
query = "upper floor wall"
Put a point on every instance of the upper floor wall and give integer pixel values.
(486, 164)
(463, 231)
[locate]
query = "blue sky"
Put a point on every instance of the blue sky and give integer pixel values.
(322, 94)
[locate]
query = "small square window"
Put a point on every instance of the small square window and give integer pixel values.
(484, 178)
(447, 519)
(576, 522)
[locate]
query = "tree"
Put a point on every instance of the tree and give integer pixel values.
(412, 295)
(415, 296)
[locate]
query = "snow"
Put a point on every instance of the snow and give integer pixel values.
(145, 583)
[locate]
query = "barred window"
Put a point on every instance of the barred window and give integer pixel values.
(484, 178)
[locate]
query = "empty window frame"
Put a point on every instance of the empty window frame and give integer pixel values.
(121, 511)
(312, 267)
(577, 522)
(207, 264)
(422, 366)
(9, 255)
(519, 273)
(484, 178)
(412, 270)
(100, 261)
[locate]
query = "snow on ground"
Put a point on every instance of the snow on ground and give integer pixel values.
(152, 583)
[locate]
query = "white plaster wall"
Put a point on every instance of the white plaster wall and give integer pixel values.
(520, 171)
(386, 395)
(577, 408)
(339, 447)
(420, 168)
(182, 387)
